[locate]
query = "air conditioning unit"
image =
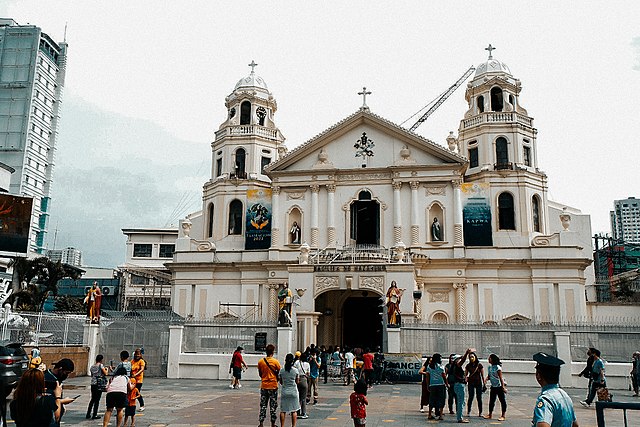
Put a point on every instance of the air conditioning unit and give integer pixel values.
(107, 290)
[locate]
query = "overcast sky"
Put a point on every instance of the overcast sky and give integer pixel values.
(146, 83)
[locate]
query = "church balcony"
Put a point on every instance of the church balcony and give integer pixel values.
(358, 254)
(497, 117)
(247, 130)
(503, 166)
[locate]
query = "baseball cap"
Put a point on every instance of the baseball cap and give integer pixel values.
(298, 354)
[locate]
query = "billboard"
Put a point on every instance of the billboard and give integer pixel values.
(258, 219)
(476, 214)
(15, 221)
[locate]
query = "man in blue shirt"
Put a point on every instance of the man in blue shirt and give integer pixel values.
(554, 407)
(598, 378)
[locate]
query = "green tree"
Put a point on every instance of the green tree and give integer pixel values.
(37, 278)
(69, 304)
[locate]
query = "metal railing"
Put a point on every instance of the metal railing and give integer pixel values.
(223, 336)
(44, 328)
(601, 406)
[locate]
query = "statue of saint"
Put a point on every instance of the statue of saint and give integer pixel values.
(285, 300)
(93, 301)
(295, 233)
(394, 295)
(436, 232)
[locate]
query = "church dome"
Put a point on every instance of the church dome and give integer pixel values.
(251, 81)
(492, 65)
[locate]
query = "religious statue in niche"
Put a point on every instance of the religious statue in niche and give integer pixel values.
(93, 301)
(285, 301)
(394, 295)
(295, 233)
(436, 231)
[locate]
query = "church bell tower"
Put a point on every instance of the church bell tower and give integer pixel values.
(498, 138)
(246, 142)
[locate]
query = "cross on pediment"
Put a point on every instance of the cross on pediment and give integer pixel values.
(364, 94)
(253, 66)
(490, 49)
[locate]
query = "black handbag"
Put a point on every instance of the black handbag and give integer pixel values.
(102, 383)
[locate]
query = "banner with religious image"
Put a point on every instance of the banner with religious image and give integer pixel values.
(258, 219)
(476, 214)
(15, 221)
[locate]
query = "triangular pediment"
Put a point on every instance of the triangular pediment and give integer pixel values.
(517, 318)
(393, 146)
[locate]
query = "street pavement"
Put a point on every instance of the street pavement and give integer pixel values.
(207, 403)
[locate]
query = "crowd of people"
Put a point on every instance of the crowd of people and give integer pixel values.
(461, 381)
(38, 399)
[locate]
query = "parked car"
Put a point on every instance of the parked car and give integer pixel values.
(13, 363)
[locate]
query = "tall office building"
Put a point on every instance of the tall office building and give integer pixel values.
(625, 220)
(71, 256)
(32, 72)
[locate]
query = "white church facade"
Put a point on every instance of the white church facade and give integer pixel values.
(466, 231)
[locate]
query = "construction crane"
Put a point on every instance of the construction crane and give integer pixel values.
(436, 103)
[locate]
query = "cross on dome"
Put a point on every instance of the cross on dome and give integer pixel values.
(253, 66)
(490, 49)
(364, 94)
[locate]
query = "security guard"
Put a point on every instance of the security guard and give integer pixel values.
(554, 407)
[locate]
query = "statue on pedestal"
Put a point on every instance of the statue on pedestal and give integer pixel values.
(394, 295)
(436, 231)
(295, 233)
(285, 301)
(93, 301)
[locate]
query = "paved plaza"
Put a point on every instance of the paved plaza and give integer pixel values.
(206, 403)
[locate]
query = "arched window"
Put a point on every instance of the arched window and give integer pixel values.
(210, 220)
(506, 214)
(240, 170)
(235, 217)
(480, 104)
(535, 208)
(245, 113)
(364, 195)
(496, 99)
(502, 153)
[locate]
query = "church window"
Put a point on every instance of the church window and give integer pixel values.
(245, 113)
(506, 213)
(502, 153)
(496, 99)
(473, 157)
(261, 113)
(235, 217)
(526, 155)
(240, 171)
(480, 104)
(219, 166)
(210, 220)
(535, 207)
(142, 250)
(264, 162)
(364, 195)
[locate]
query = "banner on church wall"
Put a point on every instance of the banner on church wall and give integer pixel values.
(476, 214)
(15, 222)
(402, 367)
(258, 219)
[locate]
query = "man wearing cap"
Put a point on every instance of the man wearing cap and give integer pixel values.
(55, 376)
(554, 407)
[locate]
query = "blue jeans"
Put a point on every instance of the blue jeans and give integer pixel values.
(458, 388)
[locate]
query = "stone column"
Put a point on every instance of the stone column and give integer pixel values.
(91, 340)
(418, 301)
(393, 340)
(276, 216)
(415, 221)
(397, 213)
(458, 237)
(273, 301)
(331, 226)
(285, 341)
(461, 302)
(315, 189)
(175, 348)
(563, 349)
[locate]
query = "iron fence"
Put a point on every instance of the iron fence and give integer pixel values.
(44, 328)
(616, 342)
(224, 336)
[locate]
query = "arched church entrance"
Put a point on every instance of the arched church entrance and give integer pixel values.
(365, 220)
(352, 318)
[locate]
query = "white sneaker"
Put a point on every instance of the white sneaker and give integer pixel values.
(239, 385)
(230, 385)
(585, 404)
(141, 409)
(421, 409)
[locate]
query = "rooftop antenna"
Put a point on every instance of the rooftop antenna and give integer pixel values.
(65, 32)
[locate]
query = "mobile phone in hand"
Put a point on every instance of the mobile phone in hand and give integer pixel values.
(74, 398)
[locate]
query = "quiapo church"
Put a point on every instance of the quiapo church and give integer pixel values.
(368, 226)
